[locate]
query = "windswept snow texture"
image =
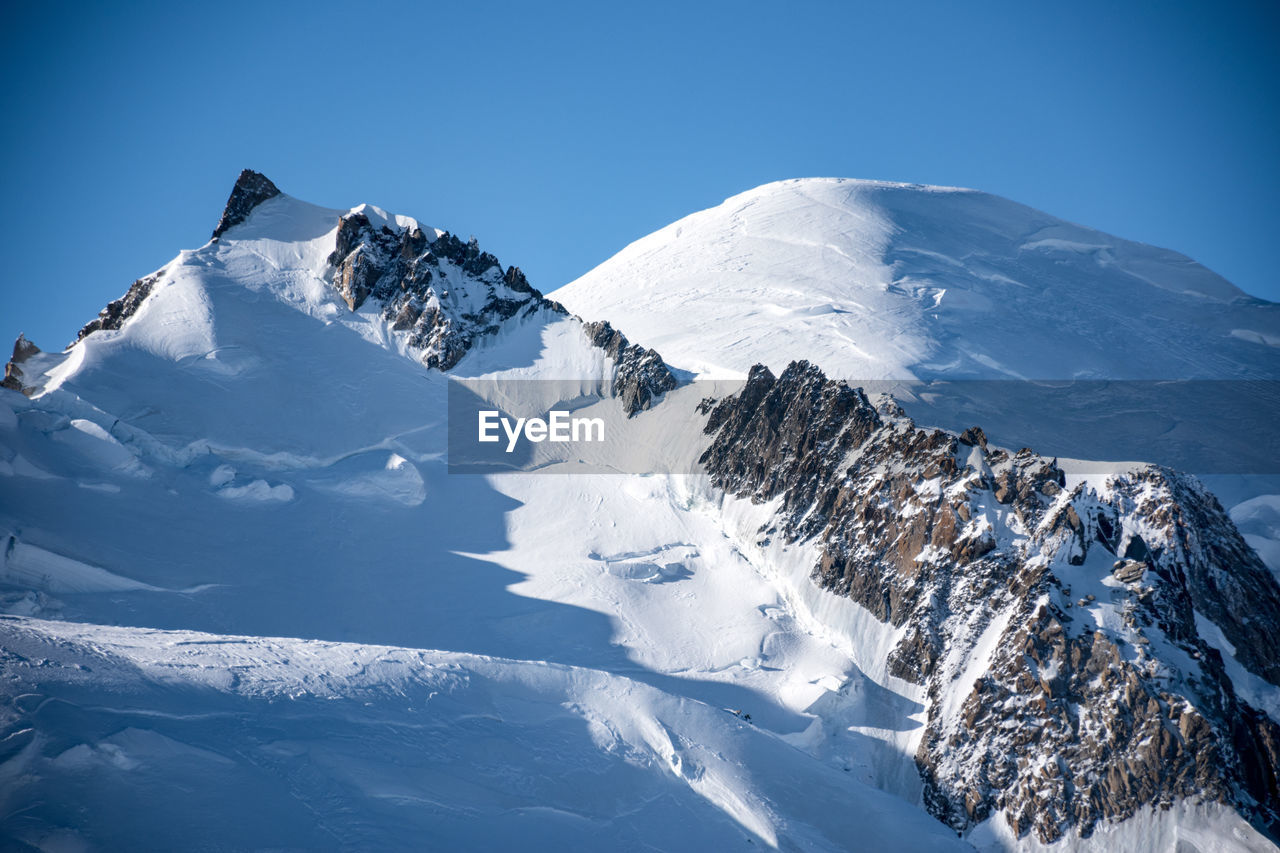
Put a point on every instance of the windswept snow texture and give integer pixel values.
(155, 738)
(873, 280)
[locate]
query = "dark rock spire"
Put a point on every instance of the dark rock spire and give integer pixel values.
(23, 349)
(251, 189)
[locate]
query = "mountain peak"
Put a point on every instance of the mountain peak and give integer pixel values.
(877, 280)
(251, 189)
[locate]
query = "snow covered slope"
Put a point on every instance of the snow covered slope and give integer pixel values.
(245, 742)
(873, 280)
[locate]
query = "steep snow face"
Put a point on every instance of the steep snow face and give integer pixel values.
(873, 280)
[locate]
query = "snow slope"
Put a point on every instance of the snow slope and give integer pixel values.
(321, 745)
(872, 280)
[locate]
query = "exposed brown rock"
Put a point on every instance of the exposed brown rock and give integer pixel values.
(410, 274)
(1069, 723)
(23, 349)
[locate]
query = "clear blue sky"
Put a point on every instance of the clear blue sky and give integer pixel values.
(559, 132)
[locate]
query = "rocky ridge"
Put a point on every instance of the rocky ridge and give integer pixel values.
(23, 349)
(641, 377)
(251, 189)
(1064, 636)
(447, 295)
(444, 294)
(119, 310)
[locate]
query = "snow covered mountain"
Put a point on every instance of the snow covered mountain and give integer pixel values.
(247, 603)
(879, 281)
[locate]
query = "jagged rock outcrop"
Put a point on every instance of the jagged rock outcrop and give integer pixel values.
(640, 375)
(445, 293)
(120, 310)
(1065, 636)
(251, 189)
(23, 349)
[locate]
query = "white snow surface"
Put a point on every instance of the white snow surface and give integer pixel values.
(1259, 520)
(881, 281)
(453, 750)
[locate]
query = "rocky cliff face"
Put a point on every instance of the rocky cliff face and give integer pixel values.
(251, 189)
(1087, 647)
(445, 293)
(448, 295)
(23, 349)
(1070, 640)
(641, 377)
(120, 310)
